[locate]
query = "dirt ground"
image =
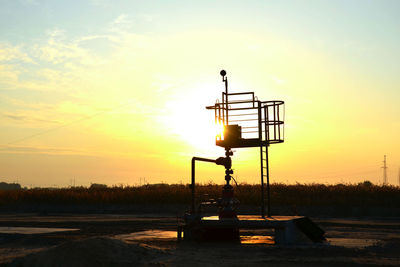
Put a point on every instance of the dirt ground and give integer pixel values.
(134, 240)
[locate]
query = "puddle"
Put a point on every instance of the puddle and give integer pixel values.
(152, 235)
(352, 242)
(257, 239)
(148, 235)
(32, 230)
(165, 235)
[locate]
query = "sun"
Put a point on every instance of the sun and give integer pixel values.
(188, 119)
(196, 128)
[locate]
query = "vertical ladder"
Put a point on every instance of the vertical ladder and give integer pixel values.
(264, 128)
(265, 159)
(265, 178)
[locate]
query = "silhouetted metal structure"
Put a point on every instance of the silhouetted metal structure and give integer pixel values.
(249, 122)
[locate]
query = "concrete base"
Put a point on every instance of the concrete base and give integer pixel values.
(288, 229)
(290, 234)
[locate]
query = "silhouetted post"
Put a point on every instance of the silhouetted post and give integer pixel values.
(261, 160)
(384, 170)
(399, 176)
(225, 80)
(268, 189)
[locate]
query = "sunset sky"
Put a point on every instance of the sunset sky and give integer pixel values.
(115, 91)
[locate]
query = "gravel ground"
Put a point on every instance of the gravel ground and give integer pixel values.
(112, 240)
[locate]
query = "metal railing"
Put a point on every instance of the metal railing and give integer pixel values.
(263, 120)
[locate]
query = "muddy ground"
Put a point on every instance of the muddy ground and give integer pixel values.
(135, 240)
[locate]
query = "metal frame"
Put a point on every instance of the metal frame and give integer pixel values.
(262, 123)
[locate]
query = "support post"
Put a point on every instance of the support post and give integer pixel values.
(261, 159)
(226, 96)
(262, 185)
(268, 189)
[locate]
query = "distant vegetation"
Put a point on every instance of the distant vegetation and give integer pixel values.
(350, 199)
(9, 186)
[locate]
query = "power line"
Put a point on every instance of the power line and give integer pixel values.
(67, 124)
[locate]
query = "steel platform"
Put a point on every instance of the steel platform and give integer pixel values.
(242, 142)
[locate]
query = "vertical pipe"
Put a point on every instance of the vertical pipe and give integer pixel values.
(274, 107)
(262, 184)
(268, 189)
(215, 114)
(259, 121)
(223, 107)
(193, 211)
(279, 126)
(266, 123)
(226, 96)
(266, 115)
(261, 159)
(216, 120)
(220, 120)
(219, 114)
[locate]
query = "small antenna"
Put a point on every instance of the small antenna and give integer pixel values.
(223, 74)
(225, 99)
(384, 170)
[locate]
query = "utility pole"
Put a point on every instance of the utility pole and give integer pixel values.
(384, 171)
(399, 176)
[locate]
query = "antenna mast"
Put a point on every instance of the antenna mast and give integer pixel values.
(399, 176)
(384, 171)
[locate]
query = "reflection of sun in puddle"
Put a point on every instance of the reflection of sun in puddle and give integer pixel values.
(246, 239)
(148, 235)
(164, 235)
(257, 239)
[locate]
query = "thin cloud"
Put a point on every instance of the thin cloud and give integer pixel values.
(9, 53)
(121, 24)
(15, 117)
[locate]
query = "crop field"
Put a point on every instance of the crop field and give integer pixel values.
(136, 226)
(313, 199)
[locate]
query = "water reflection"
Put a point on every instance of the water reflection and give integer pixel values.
(257, 239)
(148, 235)
(33, 230)
(151, 235)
